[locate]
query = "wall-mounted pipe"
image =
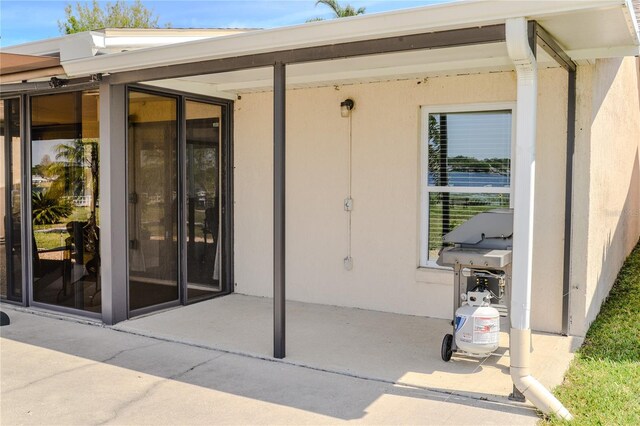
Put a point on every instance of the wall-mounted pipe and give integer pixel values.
(346, 111)
(520, 334)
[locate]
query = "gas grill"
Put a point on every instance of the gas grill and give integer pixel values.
(479, 250)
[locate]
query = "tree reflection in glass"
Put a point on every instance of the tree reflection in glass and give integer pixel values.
(469, 168)
(65, 205)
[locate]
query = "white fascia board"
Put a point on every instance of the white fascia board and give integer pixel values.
(81, 45)
(37, 48)
(140, 38)
(88, 43)
(402, 22)
(138, 41)
(73, 46)
(632, 20)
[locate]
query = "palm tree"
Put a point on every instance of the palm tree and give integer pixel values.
(79, 156)
(338, 10)
(48, 209)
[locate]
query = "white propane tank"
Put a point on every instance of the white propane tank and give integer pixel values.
(477, 324)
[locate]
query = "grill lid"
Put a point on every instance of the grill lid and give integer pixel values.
(491, 229)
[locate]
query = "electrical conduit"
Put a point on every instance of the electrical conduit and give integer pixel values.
(520, 312)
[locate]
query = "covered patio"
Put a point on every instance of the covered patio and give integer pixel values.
(289, 171)
(392, 348)
(387, 347)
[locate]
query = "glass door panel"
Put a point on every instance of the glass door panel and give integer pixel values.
(153, 200)
(10, 195)
(203, 136)
(64, 200)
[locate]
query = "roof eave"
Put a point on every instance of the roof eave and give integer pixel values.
(431, 18)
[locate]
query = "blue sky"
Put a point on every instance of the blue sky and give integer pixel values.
(25, 20)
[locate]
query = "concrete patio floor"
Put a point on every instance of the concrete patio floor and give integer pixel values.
(392, 348)
(56, 371)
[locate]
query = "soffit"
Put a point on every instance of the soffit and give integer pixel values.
(366, 69)
(11, 63)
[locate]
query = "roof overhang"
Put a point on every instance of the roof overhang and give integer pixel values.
(420, 64)
(585, 29)
(15, 68)
(113, 40)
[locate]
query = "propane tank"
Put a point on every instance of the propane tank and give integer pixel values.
(477, 324)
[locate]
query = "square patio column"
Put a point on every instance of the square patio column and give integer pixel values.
(113, 202)
(279, 184)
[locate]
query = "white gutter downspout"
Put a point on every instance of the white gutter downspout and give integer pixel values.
(525, 153)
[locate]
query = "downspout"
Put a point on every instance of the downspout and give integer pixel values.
(520, 313)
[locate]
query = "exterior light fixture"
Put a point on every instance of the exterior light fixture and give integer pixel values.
(345, 107)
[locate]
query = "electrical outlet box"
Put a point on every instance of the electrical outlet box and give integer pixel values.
(348, 263)
(348, 204)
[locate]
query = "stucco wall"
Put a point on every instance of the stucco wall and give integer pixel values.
(607, 182)
(386, 146)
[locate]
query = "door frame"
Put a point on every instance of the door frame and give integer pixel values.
(28, 247)
(25, 202)
(8, 174)
(226, 200)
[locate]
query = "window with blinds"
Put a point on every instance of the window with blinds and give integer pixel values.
(466, 170)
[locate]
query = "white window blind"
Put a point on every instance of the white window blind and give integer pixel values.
(466, 170)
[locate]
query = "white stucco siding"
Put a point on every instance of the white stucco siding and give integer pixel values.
(548, 238)
(607, 190)
(386, 168)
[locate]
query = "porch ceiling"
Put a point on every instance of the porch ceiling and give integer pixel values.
(364, 69)
(598, 32)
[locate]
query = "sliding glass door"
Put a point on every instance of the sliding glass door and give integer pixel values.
(175, 150)
(179, 174)
(64, 200)
(153, 199)
(203, 137)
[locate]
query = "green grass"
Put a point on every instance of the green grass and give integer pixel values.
(50, 240)
(602, 386)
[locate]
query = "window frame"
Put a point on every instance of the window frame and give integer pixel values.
(426, 189)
